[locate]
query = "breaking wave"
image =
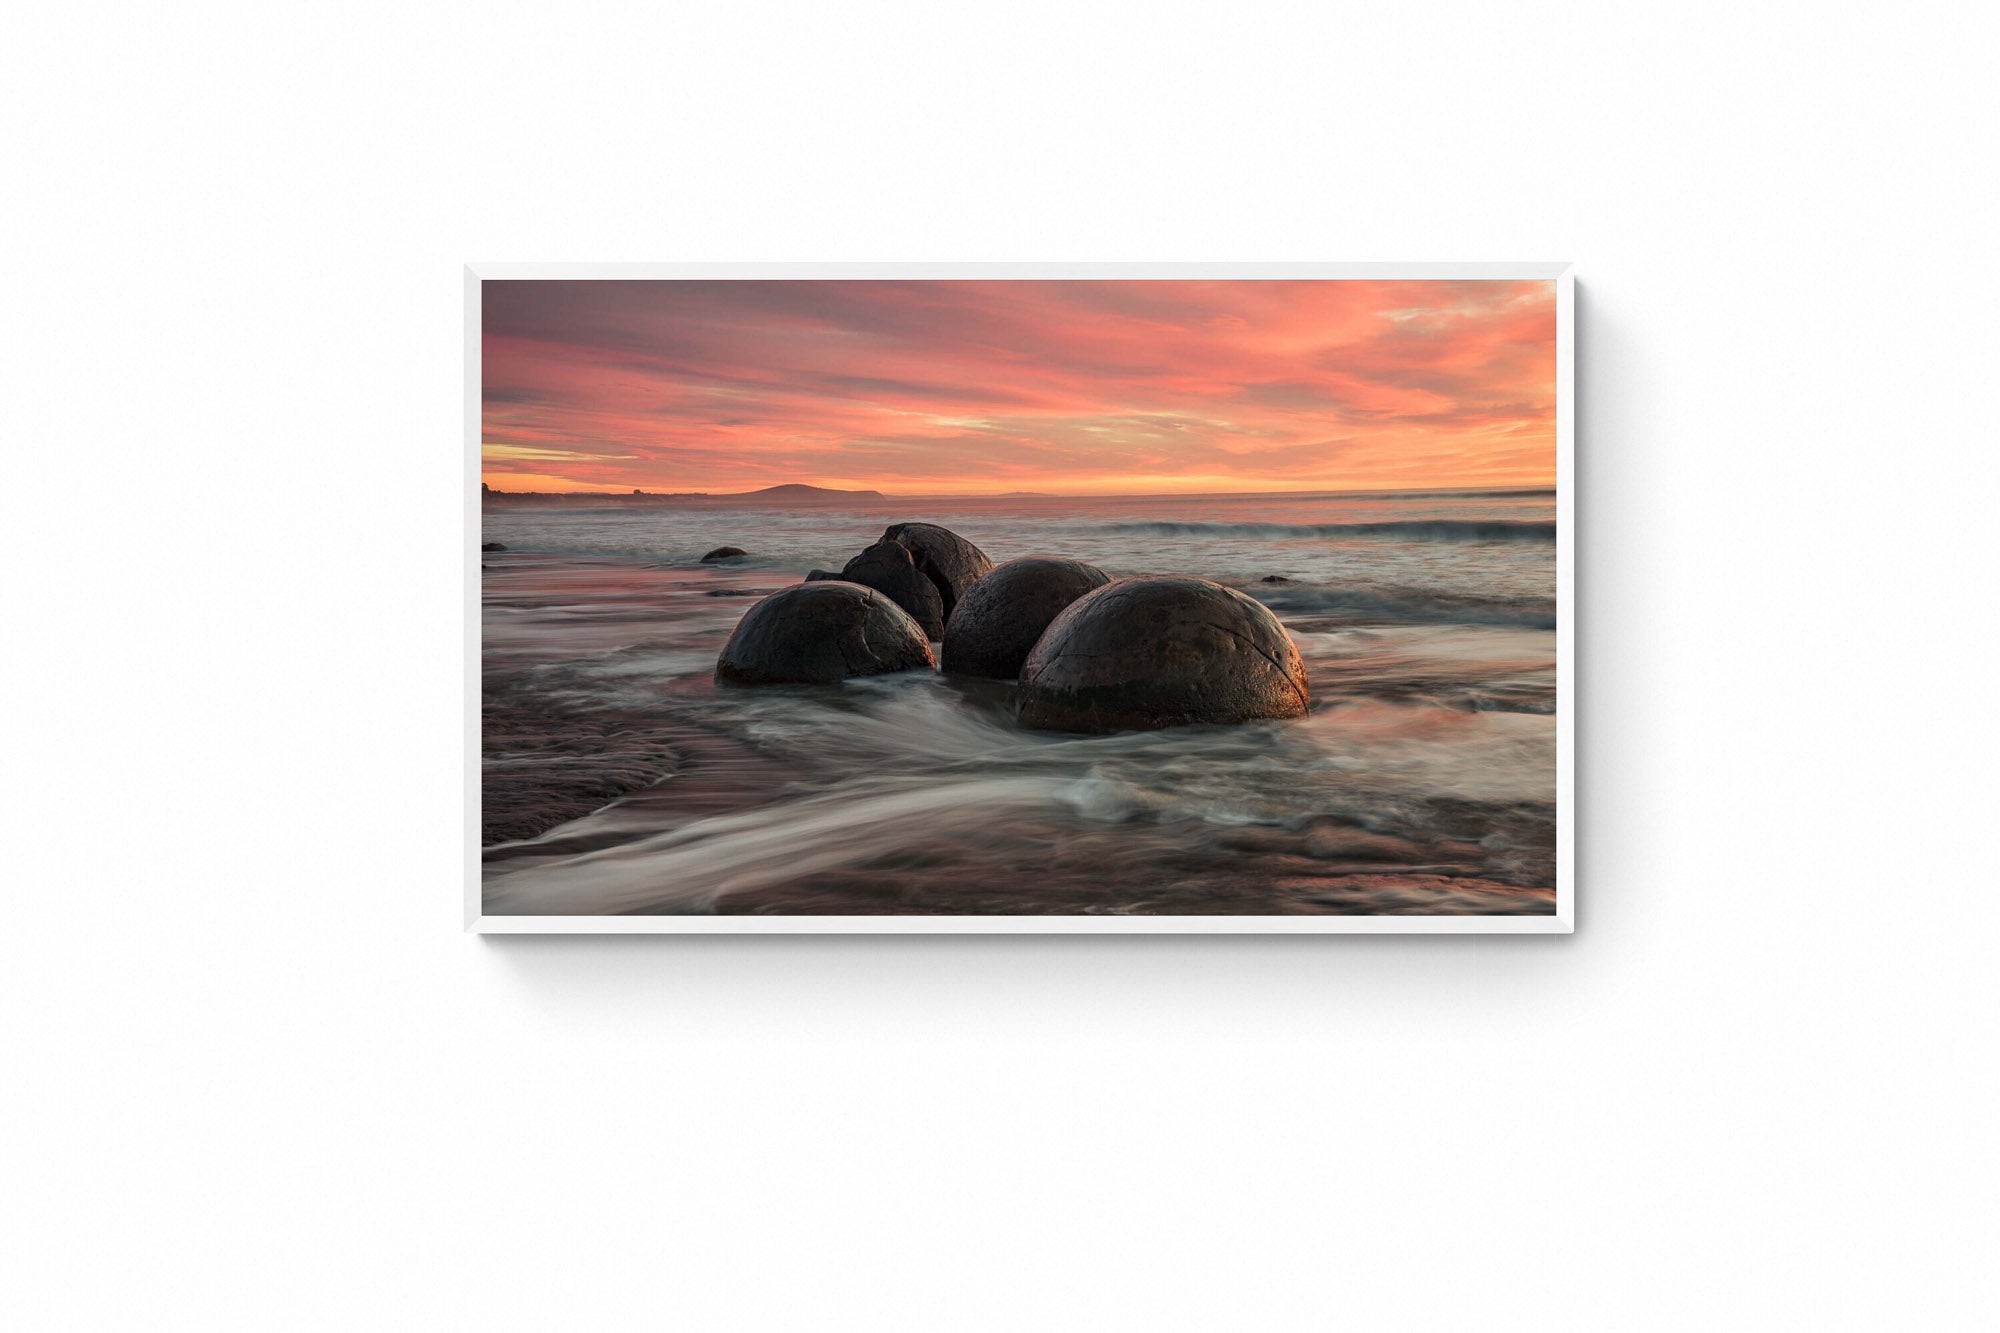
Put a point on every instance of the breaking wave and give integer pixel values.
(1407, 530)
(1408, 606)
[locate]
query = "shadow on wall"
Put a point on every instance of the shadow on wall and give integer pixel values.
(1055, 983)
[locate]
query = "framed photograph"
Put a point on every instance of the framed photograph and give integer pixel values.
(863, 598)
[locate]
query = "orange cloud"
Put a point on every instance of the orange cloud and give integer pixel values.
(935, 387)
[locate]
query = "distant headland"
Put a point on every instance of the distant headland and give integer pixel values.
(791, 493)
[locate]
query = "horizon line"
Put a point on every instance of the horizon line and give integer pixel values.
(1547, 489)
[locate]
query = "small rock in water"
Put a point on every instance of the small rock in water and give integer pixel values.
(998, 622)
(492, 546)
(1275, 578)
(723, 553)
(1141, 653)
(819, 634)
(820, 575)
(891, 570)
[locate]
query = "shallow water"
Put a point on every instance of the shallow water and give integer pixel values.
(1422, 781)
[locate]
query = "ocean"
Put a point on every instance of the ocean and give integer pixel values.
(618, 778)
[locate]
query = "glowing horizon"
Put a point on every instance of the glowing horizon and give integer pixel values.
(981, 388)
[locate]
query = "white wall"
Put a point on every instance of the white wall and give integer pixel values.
(256, 1077)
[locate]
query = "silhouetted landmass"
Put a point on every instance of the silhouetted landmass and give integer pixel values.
(794, 491)
(791, 493)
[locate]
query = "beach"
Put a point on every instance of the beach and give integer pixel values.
(619, 778)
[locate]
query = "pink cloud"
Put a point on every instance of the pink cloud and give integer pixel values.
(983, 386)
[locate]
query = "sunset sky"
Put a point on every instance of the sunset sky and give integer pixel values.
(968, 388)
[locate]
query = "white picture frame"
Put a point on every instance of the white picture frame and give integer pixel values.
(1562, 921)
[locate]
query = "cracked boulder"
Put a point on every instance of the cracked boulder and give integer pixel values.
(821, 633)
(997, 624)
(890, 569)
(949, 561)
(1142, 653)
(923, 568)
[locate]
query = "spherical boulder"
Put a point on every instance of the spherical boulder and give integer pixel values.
(945, 558)
(820, 633)
(723, 553)
(1161, 652)
(889, 568)
(998, 622)
(818, 575)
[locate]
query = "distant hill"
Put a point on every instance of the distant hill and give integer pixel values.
(796, 492)
(790, 493)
